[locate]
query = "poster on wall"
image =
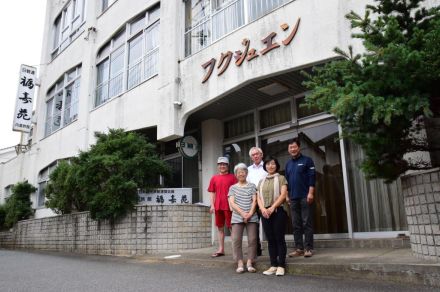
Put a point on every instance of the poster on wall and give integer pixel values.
(166, 196)
(25, 99)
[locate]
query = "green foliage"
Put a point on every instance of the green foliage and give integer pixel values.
(2, 217)
(105, 179)
(380, 96)
(18, 205)
(63, 192)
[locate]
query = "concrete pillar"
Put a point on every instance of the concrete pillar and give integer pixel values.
(212, 148)
(212, 139)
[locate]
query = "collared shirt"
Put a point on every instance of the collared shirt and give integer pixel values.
(300, 174)
(256, 173)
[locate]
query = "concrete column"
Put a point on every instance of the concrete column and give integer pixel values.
(212, 139)
(171, 42)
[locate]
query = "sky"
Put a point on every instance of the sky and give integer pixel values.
(21, 31)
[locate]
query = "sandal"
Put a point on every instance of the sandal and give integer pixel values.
(240, 270)
(251, 269)
(217, 254)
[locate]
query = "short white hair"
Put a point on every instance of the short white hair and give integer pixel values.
(255, 148)
(240, 166)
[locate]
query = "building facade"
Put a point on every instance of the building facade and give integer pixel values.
(225, 72)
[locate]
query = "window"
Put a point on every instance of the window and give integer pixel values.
(303, 111)
(275, 115)
(43, 179)
(239, 126)
(129, 58)
(62, 103)
(208, 20)
(67, 25)
(106, 4)
(7, 192)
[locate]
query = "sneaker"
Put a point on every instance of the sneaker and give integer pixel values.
(280, 271)
(270, 271)
(296, 253)
(308, 253)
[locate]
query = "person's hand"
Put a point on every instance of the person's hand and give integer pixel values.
(271, 210)
(212, 210)
(310, 198)
(264, 213)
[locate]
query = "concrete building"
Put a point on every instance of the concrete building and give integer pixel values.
(225, 72)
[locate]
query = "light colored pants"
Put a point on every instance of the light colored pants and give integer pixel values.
(237, 240)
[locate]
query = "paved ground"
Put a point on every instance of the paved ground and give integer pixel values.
(43, 271)
(379, 264)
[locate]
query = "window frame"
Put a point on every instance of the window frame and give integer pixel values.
(61, 87)
(64, 25)
(151, 21)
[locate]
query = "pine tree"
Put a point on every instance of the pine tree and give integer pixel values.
(384, 97)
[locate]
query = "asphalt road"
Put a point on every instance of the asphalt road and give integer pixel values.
(43, 271)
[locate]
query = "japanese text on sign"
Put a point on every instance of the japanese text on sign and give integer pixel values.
(25, 98)
(248, 53)
(173, 196)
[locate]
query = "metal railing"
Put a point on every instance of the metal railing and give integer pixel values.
(225, 20)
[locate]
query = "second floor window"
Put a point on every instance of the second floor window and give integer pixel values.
(62, 103)
(67, 25)
(209, 20)
(106, 4)
(129, 58)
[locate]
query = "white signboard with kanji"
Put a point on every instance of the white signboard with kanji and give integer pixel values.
(166, 196)
(25, 98)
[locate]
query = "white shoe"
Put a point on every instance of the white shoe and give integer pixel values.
(280, 271)
(270, 271)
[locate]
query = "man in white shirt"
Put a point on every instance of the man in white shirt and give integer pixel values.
(255, 174)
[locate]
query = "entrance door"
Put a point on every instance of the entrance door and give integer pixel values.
(320, 142)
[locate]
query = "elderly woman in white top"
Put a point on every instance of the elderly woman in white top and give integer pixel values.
(243, 201)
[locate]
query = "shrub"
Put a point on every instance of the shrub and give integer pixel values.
(105, 180)
(18, 205)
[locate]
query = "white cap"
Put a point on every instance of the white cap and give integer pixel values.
(223, 160)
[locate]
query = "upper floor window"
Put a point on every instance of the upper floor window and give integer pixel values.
(208, 20)
(130, 57)
(106, 4)
(67, 25)
(62, 101)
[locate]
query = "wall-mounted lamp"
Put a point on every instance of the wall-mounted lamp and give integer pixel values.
(90, 30)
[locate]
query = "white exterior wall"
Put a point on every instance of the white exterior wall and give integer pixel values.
(149, 104)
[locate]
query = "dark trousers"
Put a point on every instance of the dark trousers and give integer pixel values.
(259, 249)
(275, 228)
(302, 216)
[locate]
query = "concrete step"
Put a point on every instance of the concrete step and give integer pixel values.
(401, 242)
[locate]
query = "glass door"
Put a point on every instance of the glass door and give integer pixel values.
(320, 142)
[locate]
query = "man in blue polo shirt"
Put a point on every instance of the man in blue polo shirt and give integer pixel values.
(300, 174)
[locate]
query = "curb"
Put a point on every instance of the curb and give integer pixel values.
(415, 274)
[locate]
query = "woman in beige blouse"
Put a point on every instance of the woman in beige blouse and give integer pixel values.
(272, 193)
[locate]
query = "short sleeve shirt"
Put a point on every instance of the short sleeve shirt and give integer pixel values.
(220, 184)
(243, 198)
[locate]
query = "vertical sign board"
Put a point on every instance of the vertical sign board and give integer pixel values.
(25, 98)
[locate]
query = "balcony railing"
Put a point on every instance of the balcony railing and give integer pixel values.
(225, 20)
